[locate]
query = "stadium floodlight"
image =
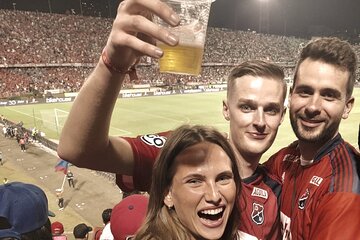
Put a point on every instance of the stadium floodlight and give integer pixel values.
(81, 9)
(49, 3)
(264, 16)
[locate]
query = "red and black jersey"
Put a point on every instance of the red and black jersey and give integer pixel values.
(320, 200)
(259, 203)
(146, 149)
(260, 217)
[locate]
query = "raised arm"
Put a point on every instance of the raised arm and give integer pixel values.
(84, 140)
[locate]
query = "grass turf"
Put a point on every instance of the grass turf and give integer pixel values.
(134, 116)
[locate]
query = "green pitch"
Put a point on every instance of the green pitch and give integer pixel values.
(134, 116)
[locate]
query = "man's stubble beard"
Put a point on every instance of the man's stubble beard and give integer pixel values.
(323, 136)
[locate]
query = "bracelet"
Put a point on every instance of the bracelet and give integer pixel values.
(113, 68)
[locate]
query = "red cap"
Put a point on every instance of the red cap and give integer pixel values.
(128, 215)
(57, 228)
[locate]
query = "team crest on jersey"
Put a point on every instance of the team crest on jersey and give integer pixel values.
(303, 199)
(154, 140)
(316, 180)
(257, 214)
(258, 192)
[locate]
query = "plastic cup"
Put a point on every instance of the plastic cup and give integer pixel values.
(186, 57)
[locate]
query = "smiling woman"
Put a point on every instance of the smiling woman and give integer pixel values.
(195, 188)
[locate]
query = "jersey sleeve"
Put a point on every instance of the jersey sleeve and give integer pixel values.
(275, 165)
(146, 149)
(337, 217)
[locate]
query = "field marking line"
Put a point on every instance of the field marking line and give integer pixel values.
(115, 128)
(121, 130)
(186, 120)
(32, 116)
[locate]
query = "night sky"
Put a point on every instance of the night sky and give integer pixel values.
(284, 17)
(293, 17)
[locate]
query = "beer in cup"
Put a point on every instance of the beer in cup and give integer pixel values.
(186, 57)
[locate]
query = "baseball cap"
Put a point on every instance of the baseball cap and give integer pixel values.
(24, 207)
(57, 228)
(81, 230)
(128, 215)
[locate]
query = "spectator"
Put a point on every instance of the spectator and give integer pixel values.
(5, 181)
(1, 160)
(34, 134)
(60, 200)
(70, 178)
(128, 215)
(81, 231)
(22, 144)
(320, 171)
(195, 188)
(57, 230)
(4, 128)
(106, 232)
(24, 212)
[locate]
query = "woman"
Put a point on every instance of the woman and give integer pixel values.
(195, 188)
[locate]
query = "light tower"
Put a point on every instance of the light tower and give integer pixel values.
(264, 16)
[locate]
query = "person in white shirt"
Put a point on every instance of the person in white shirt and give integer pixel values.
(106, 233)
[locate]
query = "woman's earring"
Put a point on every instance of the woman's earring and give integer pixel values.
(168, 202)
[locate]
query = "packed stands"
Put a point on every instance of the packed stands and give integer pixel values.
(43, 51)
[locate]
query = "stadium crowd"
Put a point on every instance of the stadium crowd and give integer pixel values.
(43, 51)
(49, 69)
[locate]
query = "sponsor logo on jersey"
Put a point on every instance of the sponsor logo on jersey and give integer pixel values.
(257, 214)
(154, 140)
(258, 192)
(303, 198)
(316, 180)
(290, 158)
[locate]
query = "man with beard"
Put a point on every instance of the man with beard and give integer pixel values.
(320, 171)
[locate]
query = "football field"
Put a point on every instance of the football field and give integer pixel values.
(134, 116)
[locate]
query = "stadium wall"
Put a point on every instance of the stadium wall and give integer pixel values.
(129, 93)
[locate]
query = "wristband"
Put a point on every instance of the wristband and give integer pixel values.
(113, 68)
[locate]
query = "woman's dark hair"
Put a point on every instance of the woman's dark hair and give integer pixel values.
(163, 223)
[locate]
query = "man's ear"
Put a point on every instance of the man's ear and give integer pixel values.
(226, 113)
(168, 200)
(348, 106)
